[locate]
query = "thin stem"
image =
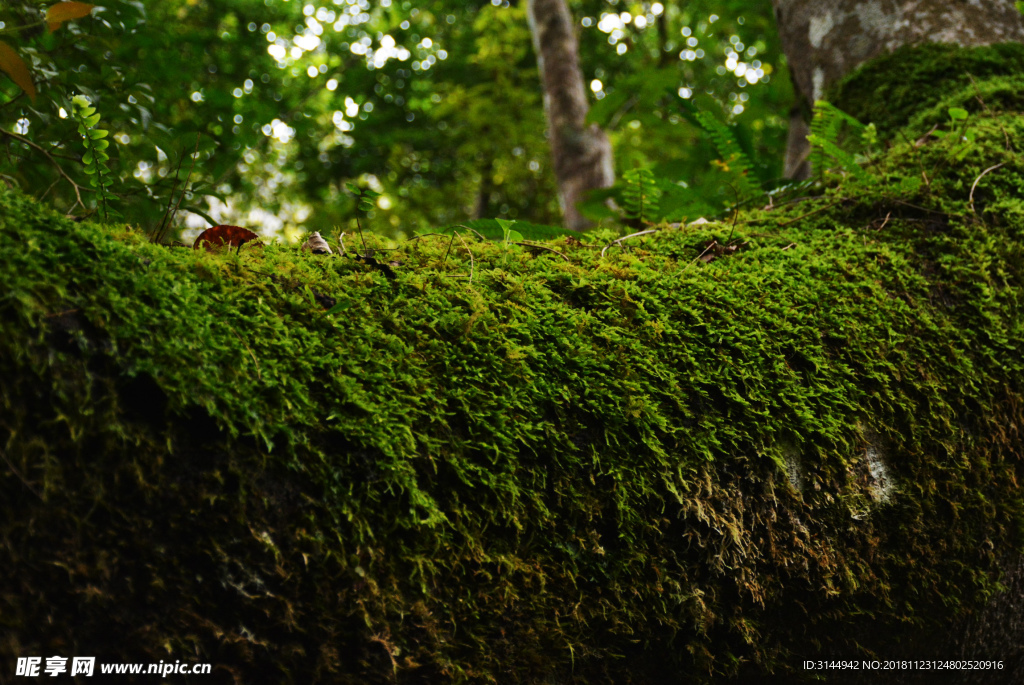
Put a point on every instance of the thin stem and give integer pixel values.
(618, 241)
(542, 247)
(975, 184)
(53, 161)
(184, 187)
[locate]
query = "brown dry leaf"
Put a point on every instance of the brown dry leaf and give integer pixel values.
(14, 66)
(219, 236)
(65, 11)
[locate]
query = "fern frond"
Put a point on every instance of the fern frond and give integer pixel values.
(95, 157)
(845, 159)
(733, 157)
(640, 194)
(826, 125)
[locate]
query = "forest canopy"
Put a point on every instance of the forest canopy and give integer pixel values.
(434, 104)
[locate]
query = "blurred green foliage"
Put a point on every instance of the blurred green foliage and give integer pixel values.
(434, 104)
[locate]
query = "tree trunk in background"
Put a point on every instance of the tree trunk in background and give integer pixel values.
(582, 154)
(482, 208)
(825, 40)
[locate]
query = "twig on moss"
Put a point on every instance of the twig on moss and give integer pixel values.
(448, 251)
(478, 233)
(618, 241)
(921, 141)
(542, 247)
(424, 235)
(706, 250)
(341, 244)
(975, 184)
(887, 215)
(365, 249)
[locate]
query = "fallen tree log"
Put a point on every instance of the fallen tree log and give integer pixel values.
(486, 463)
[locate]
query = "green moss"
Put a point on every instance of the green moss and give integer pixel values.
(520, 467)
(926, 75)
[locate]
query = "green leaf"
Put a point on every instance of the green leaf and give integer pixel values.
(340, 307)
(87, 158)
(957, 113)
(98, 133)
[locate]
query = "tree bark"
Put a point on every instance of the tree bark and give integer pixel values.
(581, 153)
(824, 40)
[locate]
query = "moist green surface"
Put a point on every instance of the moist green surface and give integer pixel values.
(516, 465)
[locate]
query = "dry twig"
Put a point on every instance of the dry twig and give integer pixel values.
(618, 241)
(53, 161)
(542, 247)
(975, 184)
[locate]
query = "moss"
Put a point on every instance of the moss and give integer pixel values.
(521, 467)
(927, 74)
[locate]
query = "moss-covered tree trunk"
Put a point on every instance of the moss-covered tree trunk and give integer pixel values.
(581, 153)
(498, 464)
(826, 40)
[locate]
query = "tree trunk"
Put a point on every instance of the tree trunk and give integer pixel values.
(825, 40)
(582, 154)
(482, 208)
